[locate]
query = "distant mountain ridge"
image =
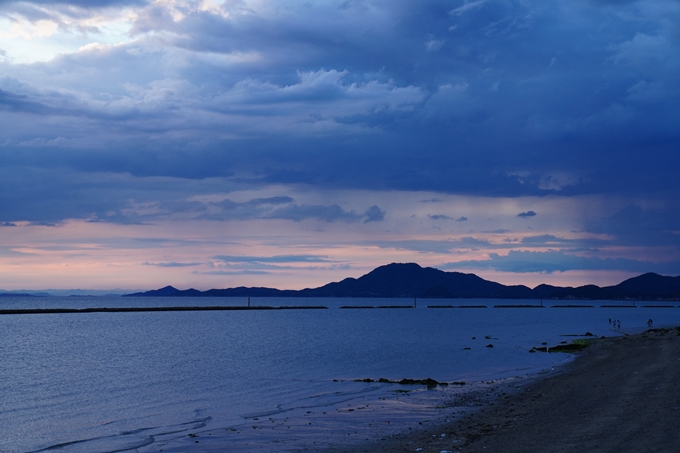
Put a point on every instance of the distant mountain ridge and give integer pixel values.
(411, 280)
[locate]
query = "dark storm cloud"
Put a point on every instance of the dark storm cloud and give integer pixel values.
(557, 261)
(484, 98)
(450, 101)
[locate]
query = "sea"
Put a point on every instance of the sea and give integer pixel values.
(215, 380)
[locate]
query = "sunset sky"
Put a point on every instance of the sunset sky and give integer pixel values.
(287, 144)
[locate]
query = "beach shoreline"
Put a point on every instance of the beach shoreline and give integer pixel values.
(342, 426)
(361, 423)
(619, 395)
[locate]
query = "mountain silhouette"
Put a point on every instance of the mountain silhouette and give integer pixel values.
(648, 286)
(410, 280)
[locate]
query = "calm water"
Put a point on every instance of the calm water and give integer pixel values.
(104, 382)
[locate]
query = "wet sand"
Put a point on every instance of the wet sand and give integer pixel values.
(619, 395)
(337, 427)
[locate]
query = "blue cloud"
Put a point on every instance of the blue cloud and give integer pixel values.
(527, 214)
(20, 103)
(273, 259)
(546, 239)
(633, 224)
(9, 251)
(241, 272)
(437, 246)
(171, 264)
(297, 213)
(270, 201)
(374, 214)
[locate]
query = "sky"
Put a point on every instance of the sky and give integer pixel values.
(212, 144)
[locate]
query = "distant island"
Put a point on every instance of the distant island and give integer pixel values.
(409, 280)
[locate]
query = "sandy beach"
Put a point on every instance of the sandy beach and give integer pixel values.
(619, 395)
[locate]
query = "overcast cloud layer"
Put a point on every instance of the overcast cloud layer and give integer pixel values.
(148, 142)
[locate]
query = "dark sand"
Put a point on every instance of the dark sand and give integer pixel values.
(620, 395)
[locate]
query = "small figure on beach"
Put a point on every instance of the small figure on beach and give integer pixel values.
(618, 326)
(610, 320)
(649, 322)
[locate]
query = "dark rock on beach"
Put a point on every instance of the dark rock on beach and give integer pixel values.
(406, 381)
